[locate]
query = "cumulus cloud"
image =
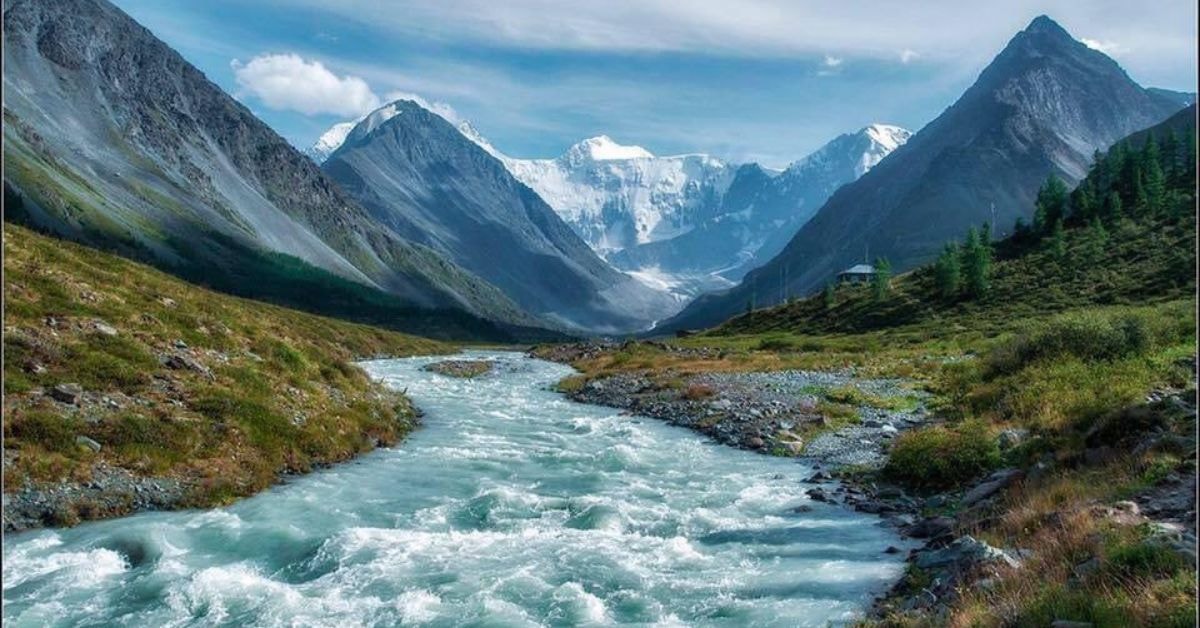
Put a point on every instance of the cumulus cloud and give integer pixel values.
(907, 55)
(288, 81)
(831, 62)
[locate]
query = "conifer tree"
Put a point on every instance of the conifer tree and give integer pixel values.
(1058, 241)
(948, 271)
(977, 265)
(1051, 204)
(830, 295)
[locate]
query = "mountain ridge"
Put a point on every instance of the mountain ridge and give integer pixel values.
(1043, 106)
(424, 180)
(146, 156)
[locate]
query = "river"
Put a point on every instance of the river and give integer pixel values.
(511, 506)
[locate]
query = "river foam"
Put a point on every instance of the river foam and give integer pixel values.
(511, 507)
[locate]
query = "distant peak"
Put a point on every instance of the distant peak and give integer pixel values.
(1044, 23)
(603, 148)
(1043, 27)
(887, 135)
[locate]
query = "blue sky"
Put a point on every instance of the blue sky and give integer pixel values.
(756, 80)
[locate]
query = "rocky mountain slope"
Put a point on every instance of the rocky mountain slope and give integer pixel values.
(424, 181)
(1044, 105)
(681, 223)
(113, 139)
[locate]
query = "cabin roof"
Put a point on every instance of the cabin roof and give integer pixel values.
(859, 269)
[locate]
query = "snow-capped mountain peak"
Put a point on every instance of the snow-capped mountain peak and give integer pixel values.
(330, 140)
(867, 147)
(888, 136)
(603, 148)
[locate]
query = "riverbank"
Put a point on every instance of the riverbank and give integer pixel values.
(129, 390)
(987, 504)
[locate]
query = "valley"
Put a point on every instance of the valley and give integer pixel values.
(939, 377)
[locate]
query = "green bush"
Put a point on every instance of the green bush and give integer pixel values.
(942, 457)
(1092, 336)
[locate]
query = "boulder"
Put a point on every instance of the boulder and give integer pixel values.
(929, 528)
(964, 552)
(67, 393)
(993, 484)
(103, 328)
(87, 443)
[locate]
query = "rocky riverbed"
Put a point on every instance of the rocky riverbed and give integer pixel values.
(773, 412)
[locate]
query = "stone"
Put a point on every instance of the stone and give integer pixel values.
(85, 442)
(931, 527)
(892, 549)
(872, 423)
(1011, 437)
(181, 362)
(1127, 506)
(964, 552)
(993, 484)
(104, 328)
(818, 495)
(1067, 623)
(755, 442)
(179, 344)
(67, 393)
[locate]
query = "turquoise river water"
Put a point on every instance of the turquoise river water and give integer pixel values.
(512, 506)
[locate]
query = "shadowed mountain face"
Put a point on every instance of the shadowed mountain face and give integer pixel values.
(1043, 106)
(423, 180)
(113, 139)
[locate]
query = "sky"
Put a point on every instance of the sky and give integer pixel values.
(754, 80)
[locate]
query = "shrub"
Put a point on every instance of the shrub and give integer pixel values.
(942, 457)
(776, 343)
(1091, 336)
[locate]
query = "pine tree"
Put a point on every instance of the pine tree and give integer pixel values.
(1051, 204)
(1113, 210)
(948, 271)
(1058, 241)
(1170, 155)
(1141, 201)
(1083, 201)
(976, 265)
(830, 295)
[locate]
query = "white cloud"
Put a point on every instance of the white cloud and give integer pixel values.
(1107, 47)
(287, 81)
(831, 62)
(908, 55)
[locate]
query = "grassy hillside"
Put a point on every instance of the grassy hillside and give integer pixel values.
(175, 381)
(265, 276)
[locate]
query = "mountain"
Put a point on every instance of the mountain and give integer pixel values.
(424, 181)
(683, 223)
(759, 211)
(112, 139)
(1043, 106)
